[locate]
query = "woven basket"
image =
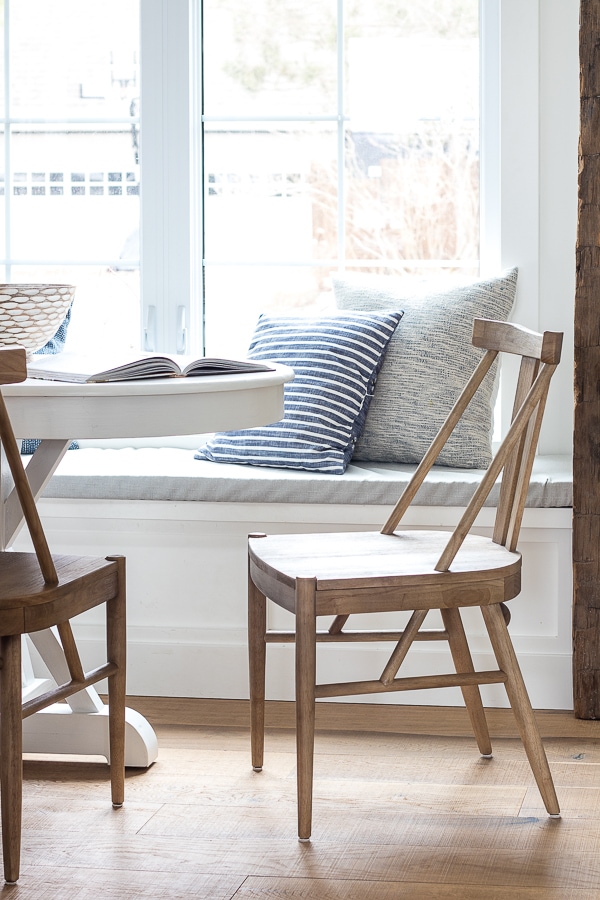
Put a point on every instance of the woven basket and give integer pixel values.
(30, 314)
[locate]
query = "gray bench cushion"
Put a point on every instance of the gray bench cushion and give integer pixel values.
(173, 474)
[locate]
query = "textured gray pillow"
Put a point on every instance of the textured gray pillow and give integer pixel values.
(428, 362)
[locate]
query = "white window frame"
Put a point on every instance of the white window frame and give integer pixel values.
(171, 192)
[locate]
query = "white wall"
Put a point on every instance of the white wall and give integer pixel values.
(530, 185)
(558, 143)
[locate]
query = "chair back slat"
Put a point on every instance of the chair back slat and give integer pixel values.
(13, 369)
(515, 433)
(533, 434)
(438, 442)
(510, 476)
(514, 460)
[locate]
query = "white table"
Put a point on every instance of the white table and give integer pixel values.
(58, 412)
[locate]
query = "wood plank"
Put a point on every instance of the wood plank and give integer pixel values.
(586, 463)
(84, 812)
(577, 801)
(407, 762)
(453, 863)
(366, 825)
(380, 744)
(70, 883)
(330, 889)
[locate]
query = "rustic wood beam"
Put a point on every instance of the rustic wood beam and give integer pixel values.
(586, 454)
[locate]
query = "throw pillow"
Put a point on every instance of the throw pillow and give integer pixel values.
(336, 360)
(427, 365)
(54, 345)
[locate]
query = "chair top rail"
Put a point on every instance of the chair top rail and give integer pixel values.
(507, 337)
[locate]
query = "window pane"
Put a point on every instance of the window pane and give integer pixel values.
(412, 165)
(72, 184)
(239, 294)
(74, 193)
(76, 58)
(2, 62)
(2, 195)
(268, 192)
(106, 307)
(269, 57)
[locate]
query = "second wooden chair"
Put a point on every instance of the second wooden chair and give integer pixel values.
(315, 575)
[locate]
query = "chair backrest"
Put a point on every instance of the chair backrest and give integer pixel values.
(13, 369)
(540, 355)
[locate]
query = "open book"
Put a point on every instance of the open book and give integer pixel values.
(82, 368)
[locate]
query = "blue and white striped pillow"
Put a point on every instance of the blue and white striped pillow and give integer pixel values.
(335, 359)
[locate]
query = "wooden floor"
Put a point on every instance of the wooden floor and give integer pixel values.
(404, 808)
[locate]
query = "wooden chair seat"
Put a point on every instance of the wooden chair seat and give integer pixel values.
(346, 564)
(28, 604)
(339, 575)
(40, 591)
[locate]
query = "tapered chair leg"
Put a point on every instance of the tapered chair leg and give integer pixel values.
(463, 662)
(116, 644)
(306, 659)
(521, 705)
(257, 626)
(11, 754)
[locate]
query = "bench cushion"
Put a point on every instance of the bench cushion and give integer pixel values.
(173, 474)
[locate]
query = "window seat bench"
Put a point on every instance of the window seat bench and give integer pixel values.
(182, 525)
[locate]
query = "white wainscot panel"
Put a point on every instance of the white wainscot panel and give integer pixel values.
(186, 566)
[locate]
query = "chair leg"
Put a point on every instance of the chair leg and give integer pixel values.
(116, 644)
(257, 654)
(11, 754)
(306, 659)
(521, 705)
(463, 662)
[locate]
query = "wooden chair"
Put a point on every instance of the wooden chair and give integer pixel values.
(38, 591)
(314, 575)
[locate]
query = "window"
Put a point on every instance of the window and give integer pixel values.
(296, 102)
(70, 188)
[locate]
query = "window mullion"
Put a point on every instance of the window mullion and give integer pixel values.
(341, 241)
(166, 204)
(7, 140)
